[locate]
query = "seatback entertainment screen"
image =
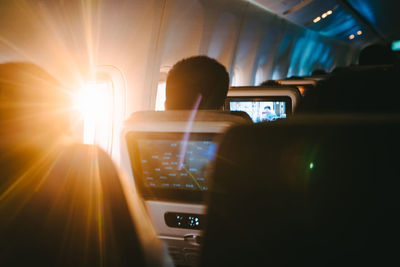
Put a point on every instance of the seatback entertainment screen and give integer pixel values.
(261, 109)
(171, 165)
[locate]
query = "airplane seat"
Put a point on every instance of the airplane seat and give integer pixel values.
(242, 114)
(309, 191)
(358, 89)
(68, 207)
(167, 155)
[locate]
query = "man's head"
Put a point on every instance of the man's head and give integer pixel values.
(197, 79)
(376, 54)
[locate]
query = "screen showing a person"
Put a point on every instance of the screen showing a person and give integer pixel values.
(261, 110)
(175, 164)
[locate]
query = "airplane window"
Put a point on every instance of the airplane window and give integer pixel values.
(101, 107)
(160, 98)
(95, 102)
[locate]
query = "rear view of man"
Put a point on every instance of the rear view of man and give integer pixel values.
(197, 82)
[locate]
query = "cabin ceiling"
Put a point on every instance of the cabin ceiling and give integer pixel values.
(357, 22)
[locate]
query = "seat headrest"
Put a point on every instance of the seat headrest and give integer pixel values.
(185, 115)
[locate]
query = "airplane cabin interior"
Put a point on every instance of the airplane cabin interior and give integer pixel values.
(296, 166)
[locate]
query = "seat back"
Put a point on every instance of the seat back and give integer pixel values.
(304, 85)
(167, 154)
(311, 191)
(68, 207)
(299, 81)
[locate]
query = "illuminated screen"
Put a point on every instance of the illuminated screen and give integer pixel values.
(175, 164)
(165, 163)
(261, 109)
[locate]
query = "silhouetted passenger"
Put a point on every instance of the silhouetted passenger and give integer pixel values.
(269, 83)
(197, 82)
(356, 90)
(295, 78)
(318, 72)
(61, 204)
(377, 54)
(269, 114)
(337, 70)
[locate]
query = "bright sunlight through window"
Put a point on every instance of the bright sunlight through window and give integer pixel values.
(160, 98)
(96, 104)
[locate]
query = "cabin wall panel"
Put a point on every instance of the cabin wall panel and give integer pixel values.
(271, 40)
(284, 50)
(179, 35)
(221, 44)
(127, 39)
(253, 44)
(182, 30)
(228, 16)
(246, 54)
(196, 27)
